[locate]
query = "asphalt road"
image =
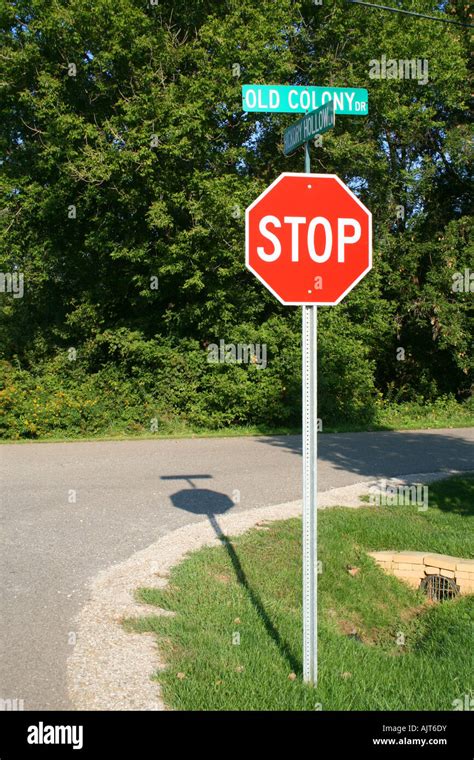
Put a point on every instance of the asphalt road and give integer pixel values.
(72, 509)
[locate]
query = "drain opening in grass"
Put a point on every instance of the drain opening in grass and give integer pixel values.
(438, 588)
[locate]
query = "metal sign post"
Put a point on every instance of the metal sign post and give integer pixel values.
(284, 258)
(310, 484)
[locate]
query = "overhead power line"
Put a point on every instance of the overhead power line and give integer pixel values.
(409, 13)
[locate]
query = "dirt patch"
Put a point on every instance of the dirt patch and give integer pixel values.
(221, 577)
(348, 628)
(411, 613)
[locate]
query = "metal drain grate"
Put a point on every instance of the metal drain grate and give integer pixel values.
(438, 588)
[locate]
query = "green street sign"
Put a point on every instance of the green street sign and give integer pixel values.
(315, 123)
(268, 98)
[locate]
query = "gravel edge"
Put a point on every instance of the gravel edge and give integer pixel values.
(110, 668)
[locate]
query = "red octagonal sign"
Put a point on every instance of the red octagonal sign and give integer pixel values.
(308, 239)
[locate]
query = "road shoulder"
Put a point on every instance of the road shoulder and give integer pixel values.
(110, 668)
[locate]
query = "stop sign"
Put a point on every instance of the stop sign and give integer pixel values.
(308, 239)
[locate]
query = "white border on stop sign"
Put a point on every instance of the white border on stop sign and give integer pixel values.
(247, 246)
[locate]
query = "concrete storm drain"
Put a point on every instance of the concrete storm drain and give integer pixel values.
(439, 576)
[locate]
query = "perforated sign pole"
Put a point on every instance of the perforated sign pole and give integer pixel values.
(298, 274)
(310, 482)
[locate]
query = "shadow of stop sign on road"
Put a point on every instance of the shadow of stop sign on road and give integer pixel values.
(308, 239)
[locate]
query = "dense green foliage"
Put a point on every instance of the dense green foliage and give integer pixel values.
(252, 585)
(138, 165)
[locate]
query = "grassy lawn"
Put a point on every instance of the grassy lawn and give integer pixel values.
(382, 646)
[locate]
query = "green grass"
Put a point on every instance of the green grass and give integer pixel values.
(414, 415)
(173, 432)
(251, 585)
(405, 416)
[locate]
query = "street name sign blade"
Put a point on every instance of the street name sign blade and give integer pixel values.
(275, 98)
(315, 123)
(308, 239)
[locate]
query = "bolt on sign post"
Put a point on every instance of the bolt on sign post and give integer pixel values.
(308, 239)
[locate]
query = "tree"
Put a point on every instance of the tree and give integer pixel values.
(129, 163)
